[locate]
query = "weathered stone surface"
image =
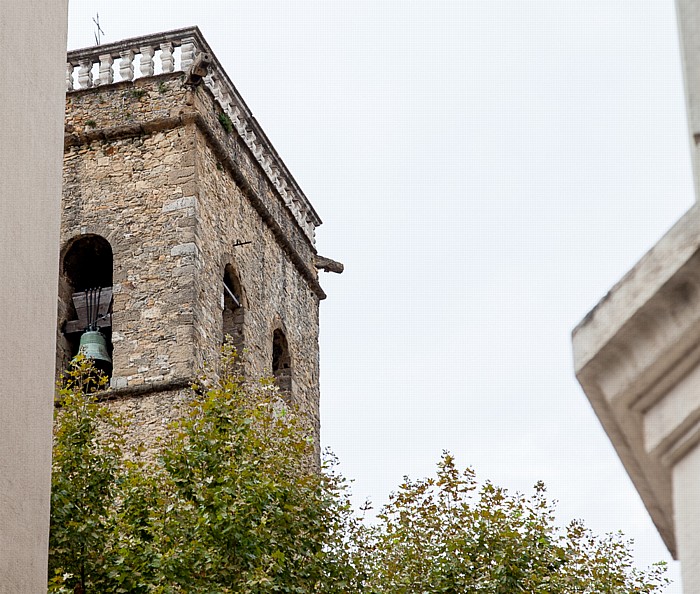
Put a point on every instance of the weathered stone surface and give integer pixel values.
(174, 195)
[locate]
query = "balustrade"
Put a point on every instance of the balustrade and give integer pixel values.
(176, 51)
(153, 58)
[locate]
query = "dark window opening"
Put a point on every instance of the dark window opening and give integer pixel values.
(85, 302)
(281, 362)
(233, 311)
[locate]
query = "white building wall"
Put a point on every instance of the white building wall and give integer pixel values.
(686, 504)
(33, 50)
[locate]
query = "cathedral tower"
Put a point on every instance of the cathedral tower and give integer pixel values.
(181, 225)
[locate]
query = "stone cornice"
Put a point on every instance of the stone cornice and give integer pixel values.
(637, 357)
(192, 44)
(184, 118)
(636, 287)
(172, 385)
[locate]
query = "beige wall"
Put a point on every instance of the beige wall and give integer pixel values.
(688, 16)
(33, 46)
(686, 503)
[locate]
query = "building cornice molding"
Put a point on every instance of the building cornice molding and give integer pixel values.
(637, 357)
(636, 287)
(192, 117)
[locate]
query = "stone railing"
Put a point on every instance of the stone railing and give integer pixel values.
(175, 51)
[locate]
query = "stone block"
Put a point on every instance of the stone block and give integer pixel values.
(184, 249)
(181, 203)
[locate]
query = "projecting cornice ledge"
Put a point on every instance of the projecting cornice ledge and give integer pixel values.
(637, 357)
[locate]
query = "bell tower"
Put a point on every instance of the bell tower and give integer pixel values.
(180, 226)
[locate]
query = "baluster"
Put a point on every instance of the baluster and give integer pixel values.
(282, 188)
(69, 76)
(212, 81)
(106, 73)
(188, 51)
(226, 102)
(85, 74)
(237, 122)
(146, 63)
(166, 57)
(126, 65)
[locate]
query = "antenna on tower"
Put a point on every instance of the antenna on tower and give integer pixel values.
(99, 31)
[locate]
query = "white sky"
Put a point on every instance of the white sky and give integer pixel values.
(486, 170)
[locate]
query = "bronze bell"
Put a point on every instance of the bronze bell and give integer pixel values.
(93, 345)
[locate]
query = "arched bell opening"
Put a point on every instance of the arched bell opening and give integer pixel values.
(85, 302)
(281, 363)
(233, 310)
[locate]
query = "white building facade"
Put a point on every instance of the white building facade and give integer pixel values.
(637, 357)
(32, 99)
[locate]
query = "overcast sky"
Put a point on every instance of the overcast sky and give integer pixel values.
(486, 170)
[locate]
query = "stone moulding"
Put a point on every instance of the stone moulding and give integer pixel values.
(637, 357)
(172, 385)
(193, 117)
(191, 43)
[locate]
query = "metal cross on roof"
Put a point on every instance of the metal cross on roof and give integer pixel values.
(99, 32)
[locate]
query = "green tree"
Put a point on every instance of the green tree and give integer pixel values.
(86, 477)
(233, 501)
(448, 534)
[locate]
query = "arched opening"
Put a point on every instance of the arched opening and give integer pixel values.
(281, 362)
(233, 310)
(85, 302)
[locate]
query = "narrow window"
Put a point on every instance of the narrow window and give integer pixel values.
(85, 302)
(281, 362)
(233, 311)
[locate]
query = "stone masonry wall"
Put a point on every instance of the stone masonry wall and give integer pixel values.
(123, 189)
(149, 167)
(275, 294)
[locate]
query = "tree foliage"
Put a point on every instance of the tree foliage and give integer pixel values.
(448, 534)
(233, 501)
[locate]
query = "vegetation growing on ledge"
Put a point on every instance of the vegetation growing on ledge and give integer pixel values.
(232, 502)
(138, 94)
(226, 122)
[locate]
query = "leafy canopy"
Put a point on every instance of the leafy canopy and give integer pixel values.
(448, 534)
(233, 501)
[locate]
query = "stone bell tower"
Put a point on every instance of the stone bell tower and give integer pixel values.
(181, 225)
